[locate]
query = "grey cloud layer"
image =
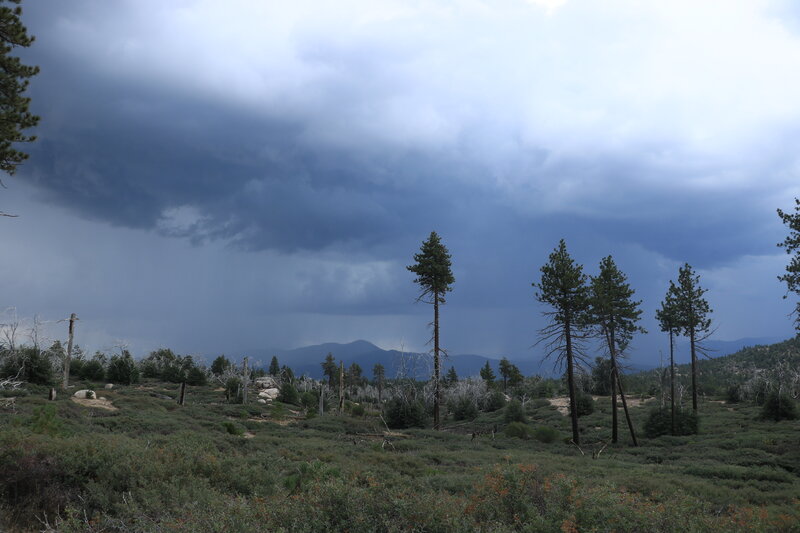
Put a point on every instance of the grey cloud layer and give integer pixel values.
(350, 141)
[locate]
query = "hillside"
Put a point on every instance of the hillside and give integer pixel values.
(717, 374)
(140, 462)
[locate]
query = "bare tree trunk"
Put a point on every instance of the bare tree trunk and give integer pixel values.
(625, 408)
(672, 380)
(573, 408)
(245, 380)
(614, 432)
(182, 397)
(72, 318)
(321, 399)
(612, 345)
(341, 387)
(52, 395)
(436, 391)
(694, 371)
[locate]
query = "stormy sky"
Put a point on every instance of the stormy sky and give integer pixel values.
(219, 177)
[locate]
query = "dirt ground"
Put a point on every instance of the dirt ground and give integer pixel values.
(562, 403)
(102, 403)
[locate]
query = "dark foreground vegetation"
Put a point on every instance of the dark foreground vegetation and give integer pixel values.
(152, 465)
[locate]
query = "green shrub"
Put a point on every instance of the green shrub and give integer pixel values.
(30, 364)
(93, 370)
(514, 412)
(400, 414)
(122, 369)
(546, 434)
(778, 407)
(233, 428)
(518, 430)
(45, 420)
(538, 403)
(233, 390)
(357, 410)
(464, 409)
(196, 376)
(734, 394)
(309, 400)
(288, 394)
(659, 423)
(584, 403)
(494, 401)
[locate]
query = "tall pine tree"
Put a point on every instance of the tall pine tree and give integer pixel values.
(274, 367)
(614, 313)
(693, 318)
(669, 320)
(792, 246)
(330, 369)
(14, 79)
(434, 277)
(563, 287)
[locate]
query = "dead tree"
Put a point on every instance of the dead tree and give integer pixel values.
(72, 318)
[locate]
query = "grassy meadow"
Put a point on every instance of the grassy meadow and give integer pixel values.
(152, 465)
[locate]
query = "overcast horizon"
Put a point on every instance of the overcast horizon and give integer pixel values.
(216, 179)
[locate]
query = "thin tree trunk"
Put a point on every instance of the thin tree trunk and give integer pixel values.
(341, 387)
(245, 379)
(182, 397)
(672, 379)
(72, 318)
(625, 408)
(573, 408)
(694, 371)
(614, 433)
(321, 399)
(436, 391)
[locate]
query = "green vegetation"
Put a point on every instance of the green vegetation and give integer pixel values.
(212, 466)
(660, 422)
(14, 79)
(792, 246)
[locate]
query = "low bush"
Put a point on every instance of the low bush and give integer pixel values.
(288, 394)
(30, 365)
(93, 370)
(122, 369)
(513, 412)
(494, 400)
(400, 414)
(309, 400)
(778, 407)
(546, 434)
(584, 403)
(518, 430)
(196, 376)
(659, 422)
(232, 428)
(734, 394)
(464, 408)
(233, 390)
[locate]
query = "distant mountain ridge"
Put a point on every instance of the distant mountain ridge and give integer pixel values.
(307, 359)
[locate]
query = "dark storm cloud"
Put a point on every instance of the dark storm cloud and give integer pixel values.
(321, 150)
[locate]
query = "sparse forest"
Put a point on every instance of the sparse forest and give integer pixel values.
(167, 443)
(111, 442)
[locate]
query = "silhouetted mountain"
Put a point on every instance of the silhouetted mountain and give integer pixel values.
(308, 359)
